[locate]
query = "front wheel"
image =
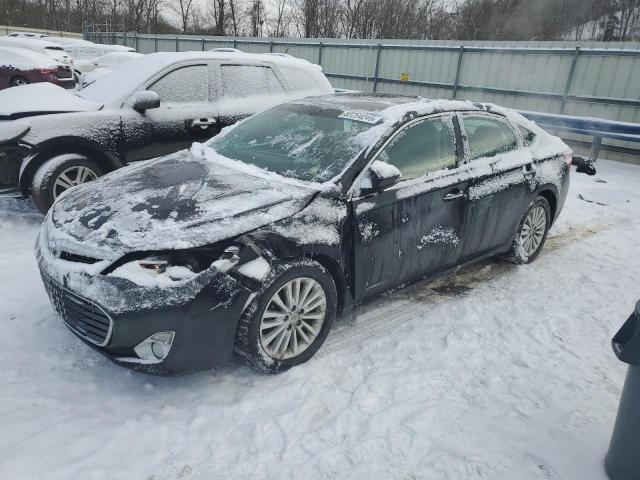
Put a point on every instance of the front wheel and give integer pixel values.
(532, 232)
(59, 174)
(288, 321)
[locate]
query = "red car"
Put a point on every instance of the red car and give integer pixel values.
(19, 66)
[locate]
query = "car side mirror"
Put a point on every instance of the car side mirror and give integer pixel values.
(381, 175)
(146, 100)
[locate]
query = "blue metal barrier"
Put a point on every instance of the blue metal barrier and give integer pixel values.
(598, 128)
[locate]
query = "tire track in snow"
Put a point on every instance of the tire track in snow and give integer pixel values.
(385, 314)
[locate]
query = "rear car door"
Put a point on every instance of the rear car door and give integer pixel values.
(247, 89)
(187, 113)
(415, 227)
(504, 179)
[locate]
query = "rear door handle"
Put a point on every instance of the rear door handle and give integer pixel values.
(454, 195)
(529, 171)
(203, 122)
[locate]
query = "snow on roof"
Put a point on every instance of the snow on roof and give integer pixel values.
(28, 42)
(24, 57)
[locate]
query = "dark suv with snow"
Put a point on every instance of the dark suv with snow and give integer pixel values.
(52, 140)
(256, 240)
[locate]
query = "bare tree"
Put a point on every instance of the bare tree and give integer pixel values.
(183, 8)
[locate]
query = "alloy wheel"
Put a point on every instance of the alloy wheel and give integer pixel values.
(533, 229)
(71, 177)
(293, 318)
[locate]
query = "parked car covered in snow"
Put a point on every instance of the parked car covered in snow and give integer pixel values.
(104, 64)
(254, 241)
(85, 55)
(39, 45)
(150, 106)
(19, 66)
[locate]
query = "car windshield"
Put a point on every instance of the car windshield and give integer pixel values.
(122, 80)
(295, 140)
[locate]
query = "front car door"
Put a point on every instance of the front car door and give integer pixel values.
(417, 226)
(504, 179)
(187, 113)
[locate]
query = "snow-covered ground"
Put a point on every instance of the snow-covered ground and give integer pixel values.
(498, 372)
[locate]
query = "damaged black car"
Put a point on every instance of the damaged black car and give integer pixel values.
(252, 244)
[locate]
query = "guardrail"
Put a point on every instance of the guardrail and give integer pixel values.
(597, 128)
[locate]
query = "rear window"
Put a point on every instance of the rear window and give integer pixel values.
(249, 80)
(297, 78)
(488, 137)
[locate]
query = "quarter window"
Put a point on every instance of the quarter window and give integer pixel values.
(527, 135)
(488, 137)
(421, 148)
(184, 85)
(249, 80)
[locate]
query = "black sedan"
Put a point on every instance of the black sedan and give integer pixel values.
(255, 241)
(52, 140)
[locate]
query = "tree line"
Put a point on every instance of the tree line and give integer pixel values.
(366, 19)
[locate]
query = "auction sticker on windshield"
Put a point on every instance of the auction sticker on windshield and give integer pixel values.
(360, 117)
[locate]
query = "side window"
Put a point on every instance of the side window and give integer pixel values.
(184, 85)
(527, 135)
(421, 148)
(488, 137)
(248, 80)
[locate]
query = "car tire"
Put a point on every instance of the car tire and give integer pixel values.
(52, 175)
(257, 334)
(18, 80)
(531, 234)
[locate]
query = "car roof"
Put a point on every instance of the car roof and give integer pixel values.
(392, 105)
(169, 58)
(26, 57)
(28, 42)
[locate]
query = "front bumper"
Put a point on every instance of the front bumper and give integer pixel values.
(11, 156)
(203, 314)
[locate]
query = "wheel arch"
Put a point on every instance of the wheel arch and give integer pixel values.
(550, 193)
(277, 247)
(47, 150)
(336, 272)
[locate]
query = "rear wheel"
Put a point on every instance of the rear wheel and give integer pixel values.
(18, 80)
(59, 174)
(532, 233)
(289, 320)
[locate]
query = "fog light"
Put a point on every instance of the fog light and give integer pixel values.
(156, 347)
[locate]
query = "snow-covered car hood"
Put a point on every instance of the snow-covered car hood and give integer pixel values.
(187, 199)
(39, 99)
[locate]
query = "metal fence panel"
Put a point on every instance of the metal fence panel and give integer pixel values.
(599, 79)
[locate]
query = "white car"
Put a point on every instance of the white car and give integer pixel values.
(50, 49)
(27, 34)
(85, 55)
(105, 64)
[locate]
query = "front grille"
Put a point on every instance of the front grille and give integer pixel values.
(84, 317)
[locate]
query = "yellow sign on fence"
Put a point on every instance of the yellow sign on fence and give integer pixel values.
(404, 77)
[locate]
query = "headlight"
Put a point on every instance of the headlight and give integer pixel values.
(173, 269)
(158, 270)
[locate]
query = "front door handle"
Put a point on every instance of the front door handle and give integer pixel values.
(454, 195)
(203, 122)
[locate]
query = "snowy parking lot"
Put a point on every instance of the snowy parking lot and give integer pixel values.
(497, 372)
